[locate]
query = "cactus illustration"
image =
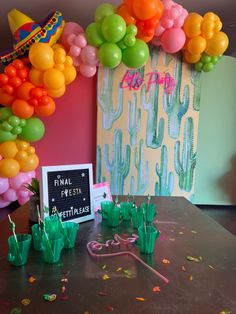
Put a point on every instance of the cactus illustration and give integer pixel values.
(134, 119)
(118, 168)
(165, 185)
(99, 177)
(151, 105)
(110, 115)
(154, 57)
(172, 104)
(196, 82)
(185, 168)
(142, 171)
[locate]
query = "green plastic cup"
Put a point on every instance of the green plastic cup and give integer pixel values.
(150, 212)
(147, 239)
(70, 230)
(18, 252)
(126, 210)
(136, 217)
(53, 243)
(37, 234)
(52, 224)
(114, 217)
(105, 207)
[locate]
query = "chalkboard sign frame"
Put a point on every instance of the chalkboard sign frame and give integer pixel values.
(46, 171)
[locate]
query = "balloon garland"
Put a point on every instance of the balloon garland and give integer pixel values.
(48, 55)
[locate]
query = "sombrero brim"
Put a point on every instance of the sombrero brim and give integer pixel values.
(50, 31)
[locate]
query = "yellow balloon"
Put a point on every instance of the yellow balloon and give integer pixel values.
(190, 58)
(192, 25)
(22, 145)
(217, 44)
(21, 155)
(53, 79)
(56, 93)
(196, 45)
(70, 74)
(9, 168)
(8, 149)
(30, 163)
(207, 34)
(218, 26)
(210, 16)
(36, 77)
(41, 56)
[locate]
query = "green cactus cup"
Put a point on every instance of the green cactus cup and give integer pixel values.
(147, 239)
(18, 252)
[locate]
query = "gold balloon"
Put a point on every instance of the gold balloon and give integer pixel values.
(192, 25)
(41, 56)
(56, 93)
(9, 168)
(70, 74)
(8, 149)
(196, 45)
(190, 58)
(30, 163)
(53, 79)
(217, 44)
(36, 77)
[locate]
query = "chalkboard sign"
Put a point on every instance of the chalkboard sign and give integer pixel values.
(69, 190)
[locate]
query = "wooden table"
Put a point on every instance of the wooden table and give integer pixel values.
(208, 286)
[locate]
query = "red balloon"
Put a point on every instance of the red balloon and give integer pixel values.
(46, 110)
(3, 79)
(10, 70)
(8, 89)
(36, 93)
(18, 64)
(15, 81)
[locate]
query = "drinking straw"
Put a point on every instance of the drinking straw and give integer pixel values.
(116, 200)
(127, 200)
(12, 227)
(64, 231)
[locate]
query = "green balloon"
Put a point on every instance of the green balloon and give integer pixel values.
(113, 28)
(16, 130)
(104, 10)
(137, 55)
(132, 29)
(5, 113)
(207, 67)
(7, 136)
(110, 55)
(198, 66)
(214, 60)
(205, 58)
(129, 40)
(94, 35)
(33, 130)
(14, 121)
(6, 126)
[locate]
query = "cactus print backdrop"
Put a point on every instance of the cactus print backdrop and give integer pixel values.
(147, 138)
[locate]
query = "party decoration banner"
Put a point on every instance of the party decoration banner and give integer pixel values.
(147, 127)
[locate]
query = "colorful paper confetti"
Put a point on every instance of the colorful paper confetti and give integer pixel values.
(156, 289)
(140, 299)
(49, 297)
(64, 280)
(104, 266)
(31, 279)
(16, 310)
(119, 269)
(194, 259)
(225, 312)
(194, 232)
(210, 266)
(181, 232)
(63, 289)
(191, 278)
(172, 239)
(128, 273)
(165, 261)
(183, 268)
(109, 308)
(25, 302)
(105, 277)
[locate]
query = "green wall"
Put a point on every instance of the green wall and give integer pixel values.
(216, 155)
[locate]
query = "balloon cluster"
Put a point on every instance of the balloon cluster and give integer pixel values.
(204, 35)
(145, 14)
(14, 189)
(116, 43)
(169, 33)
(84, 56)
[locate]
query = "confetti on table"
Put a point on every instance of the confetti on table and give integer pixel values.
(156, 289)
(194, 259)
(140, 299)
(64, 280)
(25, 302)
(128, 273)
(210, 266)
(181, 232)
(191, 278)
(119, 269)
(225, 312)
(31, 279)
(63, 289)
(103, 294)
(110, 308)
(183, 268)
(104, 266)
(16, 310)
(50, 297)
(165, 261)
(172, 239)
(193, 231)
(105, 277)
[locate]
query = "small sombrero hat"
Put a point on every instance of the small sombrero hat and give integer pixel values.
(26, 32)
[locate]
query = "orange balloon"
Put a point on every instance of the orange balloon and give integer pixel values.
(192, 25)
(6, 99)
(69, 74)
(41, 56)
(22, 109)
(141, 35)
(217, 45)
(36, 77)
(8, 149)
(196, 45)
(146, 9)
(23, 92)
(30, 163)
(9, 168)
(22, 145)
(127, 16)
(189, 58)
(56, 93)
(46, 110)
(53, 79)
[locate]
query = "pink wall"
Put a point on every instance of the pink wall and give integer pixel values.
(70, 136)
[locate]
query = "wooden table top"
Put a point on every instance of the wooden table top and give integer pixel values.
(204, 287)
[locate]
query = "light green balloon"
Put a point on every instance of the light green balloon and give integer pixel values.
(113, 28)
(207, 67)
(110, 55)
(7, 136)
(5, 113)
(137, 55)
(198, 66)
(94, 35)
(103, 10)
(33, 130)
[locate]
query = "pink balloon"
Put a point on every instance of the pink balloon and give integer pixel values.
(87, 71)
(174, 13)
(179, 22)
(23, 200)
(76, 61)
(70, 40)
(89, 55)
(3, 203)
(80, 41)
(159, 30)
(167, 4)
(4, 185)
(167, 23)
(30, 174)
(173, 40)
(20, 179)
(74, 51)
(10, 195)
(70, 28)
(156, 41)
(23, 192)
